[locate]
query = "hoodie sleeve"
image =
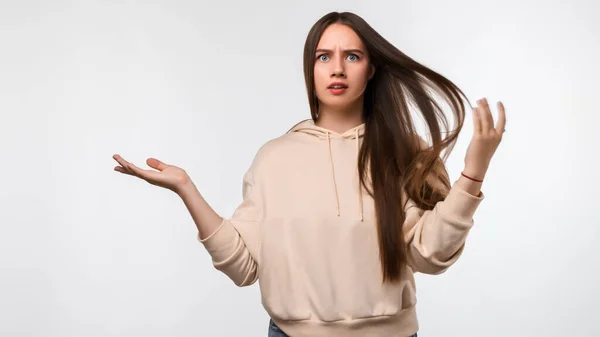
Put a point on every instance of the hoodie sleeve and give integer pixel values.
(437, 239)
(233, 245)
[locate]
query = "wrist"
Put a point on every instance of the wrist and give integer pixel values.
(474, 173)
(186, 189)
(469, 186)
(472, 178)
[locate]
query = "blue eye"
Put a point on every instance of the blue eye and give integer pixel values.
(325, 58)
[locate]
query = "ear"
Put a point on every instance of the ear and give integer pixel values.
(371, 72)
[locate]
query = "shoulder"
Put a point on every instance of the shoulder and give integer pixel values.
(266, 152)
(283, 144)
(274, 147)
(272, 152)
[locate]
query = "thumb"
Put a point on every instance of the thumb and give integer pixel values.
(156, 164)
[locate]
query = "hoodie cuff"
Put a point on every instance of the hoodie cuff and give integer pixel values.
(461, 205)
(219, 242)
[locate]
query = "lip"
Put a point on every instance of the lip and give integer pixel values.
(337, 91)
(342, 84)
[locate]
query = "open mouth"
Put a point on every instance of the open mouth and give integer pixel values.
(337, 88)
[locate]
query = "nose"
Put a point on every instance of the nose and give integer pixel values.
(338, 68)
(338, 73)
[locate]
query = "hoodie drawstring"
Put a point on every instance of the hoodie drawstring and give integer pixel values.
(335, 189)
(337, 198)
(308, 127)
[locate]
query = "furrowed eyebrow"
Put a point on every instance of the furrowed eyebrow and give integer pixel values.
(347, 51)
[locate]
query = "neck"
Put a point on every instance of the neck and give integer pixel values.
(340, 119)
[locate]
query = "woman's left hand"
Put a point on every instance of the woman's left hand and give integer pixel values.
(486, 138)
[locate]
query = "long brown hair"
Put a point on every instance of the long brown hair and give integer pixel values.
(395, 158)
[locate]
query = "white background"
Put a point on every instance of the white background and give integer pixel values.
(86, 251)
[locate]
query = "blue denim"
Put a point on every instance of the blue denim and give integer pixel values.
(275, 331)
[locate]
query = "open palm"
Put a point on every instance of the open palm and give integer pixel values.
(163, 175)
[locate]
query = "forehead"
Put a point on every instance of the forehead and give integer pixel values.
(339, 36)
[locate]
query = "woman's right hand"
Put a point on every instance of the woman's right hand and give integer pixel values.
(166, 176)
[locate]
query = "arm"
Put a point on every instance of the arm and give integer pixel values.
(469, 186)
(231, 242)
(436, 238)
(205, 218)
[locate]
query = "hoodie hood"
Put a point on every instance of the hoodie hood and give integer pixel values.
(309, 127)
(354, 134)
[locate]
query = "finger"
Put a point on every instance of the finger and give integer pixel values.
(156, 164)
(120, 160)
(123, 170)
(476, 120)
(136, 170)
(501, 126)
(487, 121)
(148, 175)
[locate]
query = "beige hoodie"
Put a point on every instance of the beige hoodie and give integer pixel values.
(306, 231)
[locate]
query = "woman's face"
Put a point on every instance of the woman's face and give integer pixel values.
(341, 58)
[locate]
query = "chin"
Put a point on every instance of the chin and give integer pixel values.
(338, 102)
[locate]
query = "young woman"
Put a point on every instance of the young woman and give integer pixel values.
(341, 210)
